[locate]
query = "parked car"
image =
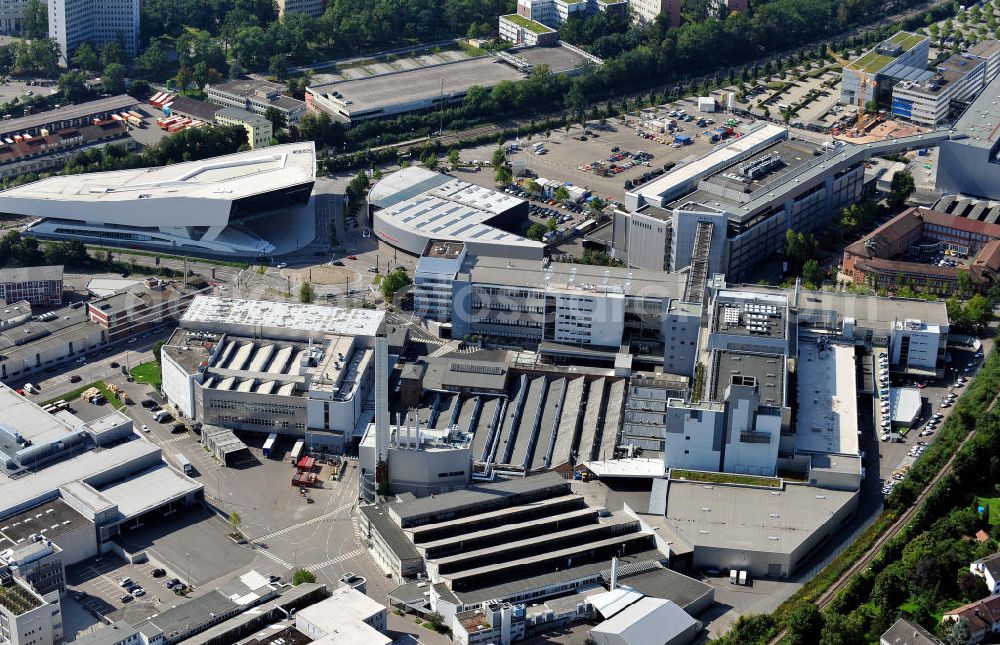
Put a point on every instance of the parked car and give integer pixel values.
(75, 378)
(126, 598)
(158, 573)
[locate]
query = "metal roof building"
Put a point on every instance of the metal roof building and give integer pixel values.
(414, 206)
(647, 621)
(767, 532)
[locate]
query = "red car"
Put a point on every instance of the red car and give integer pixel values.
(352, 257)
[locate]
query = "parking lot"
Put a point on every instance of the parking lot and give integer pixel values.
(897, 458)
(566, 155)
(94, 586)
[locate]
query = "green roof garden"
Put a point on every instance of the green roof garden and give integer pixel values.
(533, 26)
(906, 40)
(17, 600)
(874, 61)
(724, 478)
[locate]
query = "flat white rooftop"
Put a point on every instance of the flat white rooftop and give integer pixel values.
(149, 490)
(251, 314)
(755, 519)
(23, 416)
(827, 399)
(718, 158)
(227, 178)
(637, 467)
(16, 493)
(426, 204)
(904, 405)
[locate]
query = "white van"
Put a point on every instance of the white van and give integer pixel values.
(733, 576)
(30, 389)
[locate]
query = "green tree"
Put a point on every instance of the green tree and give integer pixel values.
(111, 52)
(596, 206)
(306, 293)
(235, 521)
(182, 78)
(454, 158)
(978, 311)
(561, 194)
(900, 188)
(499, 158)
(393, 282)
(430, 160)
(503, 175)
(536, 231)
(276, 117)
(158, 350)
(812, 273)
(34, 20)
(301, 575)
(86, 58)
(37, 57)
(73, 86)
(799, 247)
(805, 625)
(152, 62)
(113, 78)
(551, 224)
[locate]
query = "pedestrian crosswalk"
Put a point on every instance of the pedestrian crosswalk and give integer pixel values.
(322, 518)
(270, 556)
(332, 561)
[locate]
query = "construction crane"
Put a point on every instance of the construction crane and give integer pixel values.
(863, 80)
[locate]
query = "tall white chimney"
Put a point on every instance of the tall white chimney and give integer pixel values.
(614, 573)
(382, 398)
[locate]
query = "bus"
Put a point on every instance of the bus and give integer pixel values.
(297, 451)
(269, 444)
(183, 462)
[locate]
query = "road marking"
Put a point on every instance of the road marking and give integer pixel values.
(332, 561)
(267, 554)
(321, 518)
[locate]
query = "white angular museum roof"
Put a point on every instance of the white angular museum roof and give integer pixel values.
(227, 178)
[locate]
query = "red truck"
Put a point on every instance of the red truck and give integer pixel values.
(304, 479)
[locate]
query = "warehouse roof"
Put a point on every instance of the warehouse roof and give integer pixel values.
(650, 620)
(474, 497)
(391, 534)
(68, 113)
(980, 119)
(669, 585)
(25, 418)
(192, 614)
(570, 574)
(827, 397)
(582, 277)
(49, 520)
(258, 89)
(381, 92)
(32, 274)
(449, 210)
(148, 490)
(257, 313)
(739, 517)
(14, 493)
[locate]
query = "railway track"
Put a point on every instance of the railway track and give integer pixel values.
(827, 596)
